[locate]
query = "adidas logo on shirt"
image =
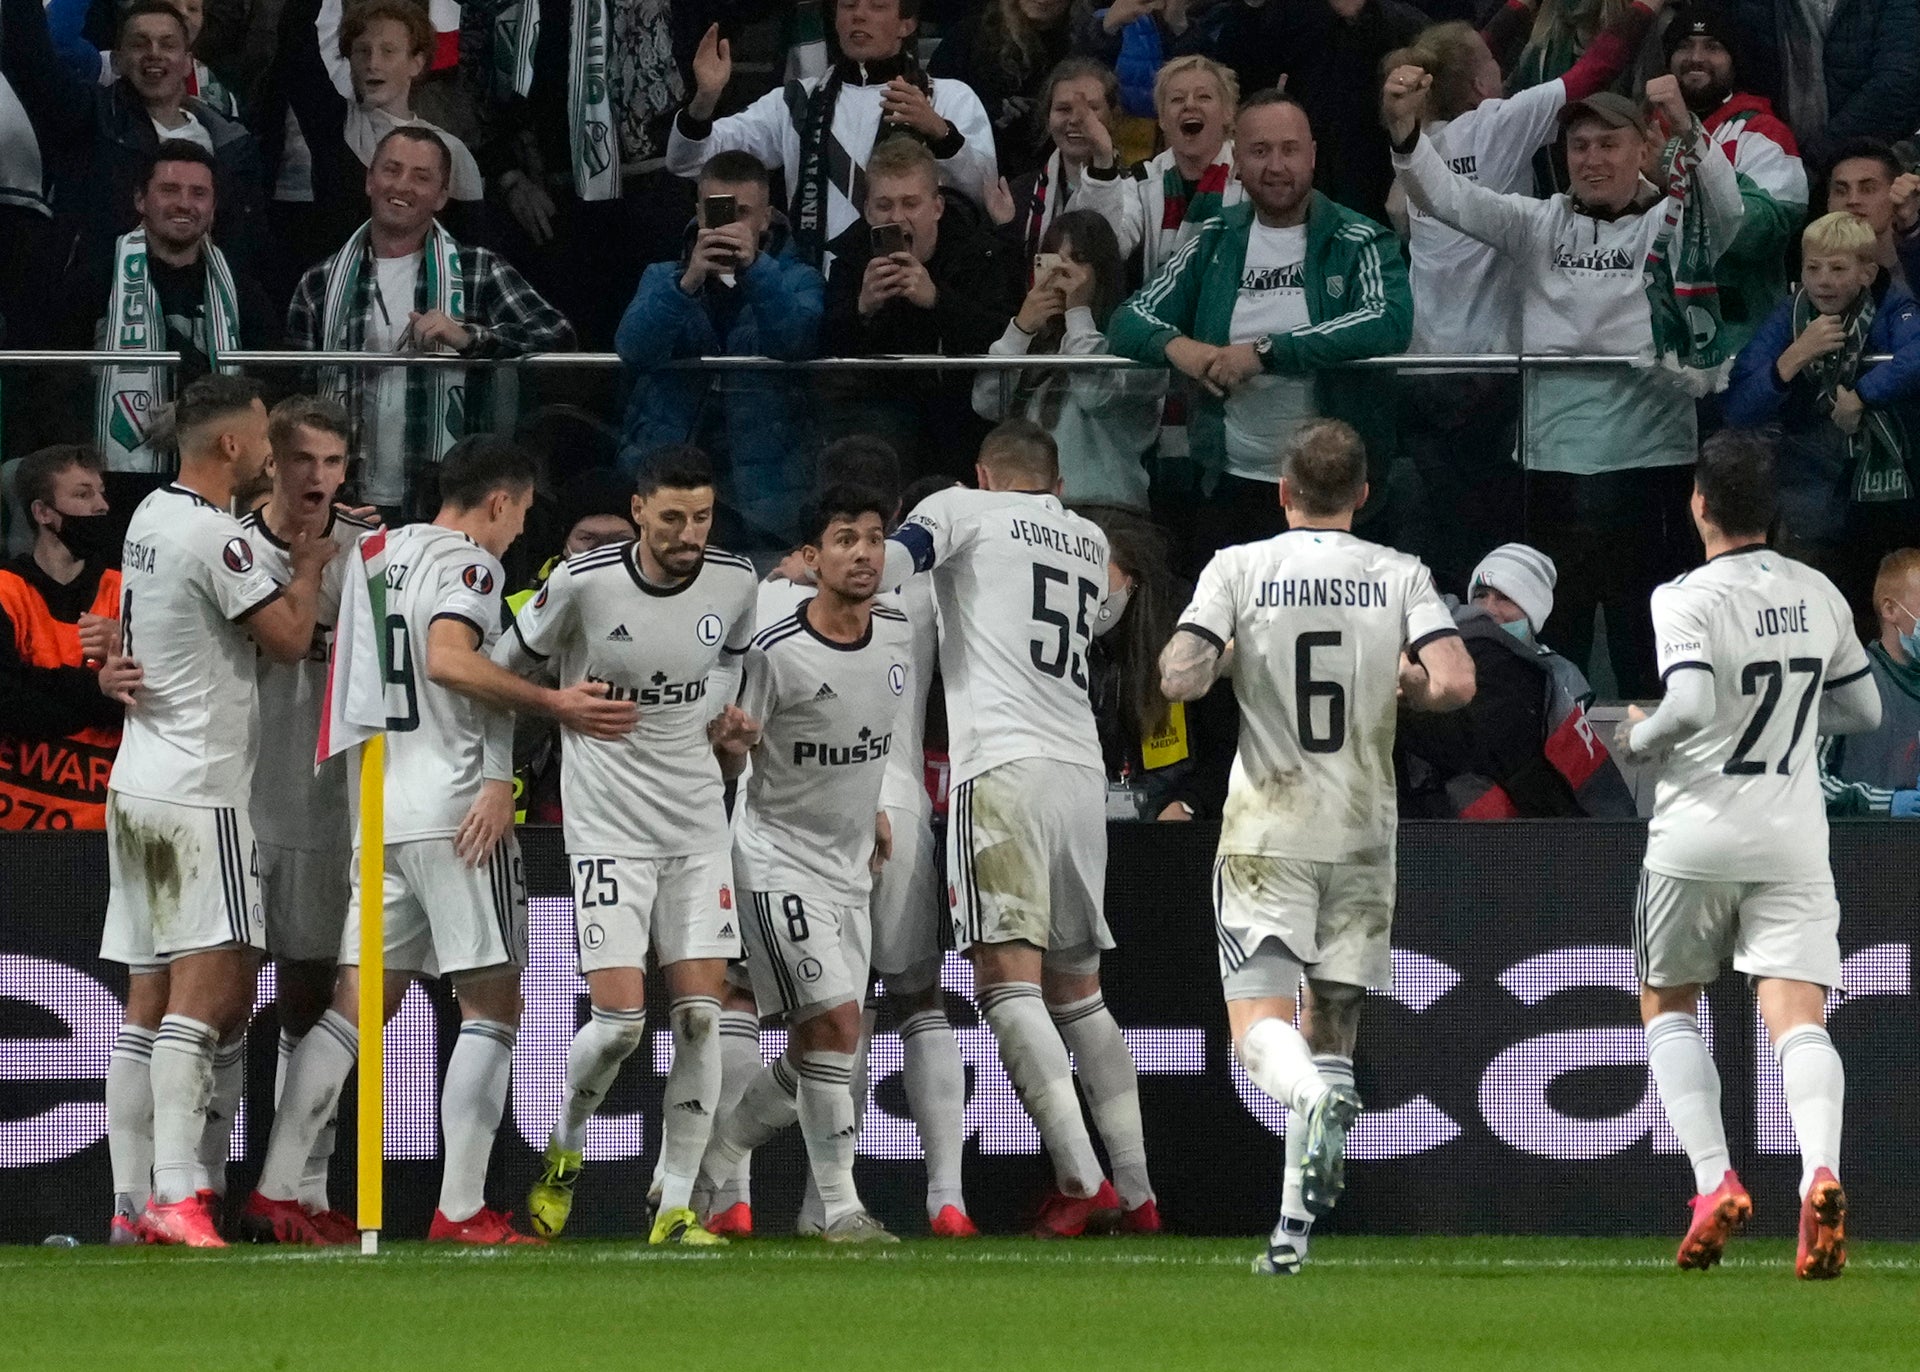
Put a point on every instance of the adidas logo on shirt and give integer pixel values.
(620, 635)
(825, 693)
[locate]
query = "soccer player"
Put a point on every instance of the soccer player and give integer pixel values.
(1328, 634)
(661, 622)
(825, 685)
(195, 604)
(454, 895)
(1759, 659)
(299, 812)
(1018, 580)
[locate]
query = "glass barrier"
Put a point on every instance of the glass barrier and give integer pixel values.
(1586, 458)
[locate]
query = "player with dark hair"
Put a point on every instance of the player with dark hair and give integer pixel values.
(1329, 635)
(195, 607)
(454, 894)
(1759, 659)
(661, 622)
(825, 685)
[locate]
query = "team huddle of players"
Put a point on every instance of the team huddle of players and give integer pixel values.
(672, 669)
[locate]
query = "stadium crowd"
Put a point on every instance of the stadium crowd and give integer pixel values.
(1236, 199)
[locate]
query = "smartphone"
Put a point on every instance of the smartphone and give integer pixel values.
(889, 239)
(718, 211)
(1045, 264)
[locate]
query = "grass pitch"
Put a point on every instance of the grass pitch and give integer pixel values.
(993, 1304)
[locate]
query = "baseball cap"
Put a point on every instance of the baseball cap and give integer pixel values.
(1615, 111)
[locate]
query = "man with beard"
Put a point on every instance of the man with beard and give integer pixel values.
(662, 622)
(167, 288)
(402, 283)
(1702, 41)
(1253, 306)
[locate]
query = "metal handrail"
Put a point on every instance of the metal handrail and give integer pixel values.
(1396, 362)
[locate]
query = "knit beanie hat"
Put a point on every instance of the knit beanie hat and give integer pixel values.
(1523, 575)
(1703, 19)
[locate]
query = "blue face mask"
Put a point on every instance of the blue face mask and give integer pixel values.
(1910, 640)
(1520, 629)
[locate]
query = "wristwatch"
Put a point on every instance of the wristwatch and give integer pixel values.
(1263, 349)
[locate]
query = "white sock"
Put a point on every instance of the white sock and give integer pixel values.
(861, 1087)
(936, 1081)
(309, 1099)
(606, 1040)
(1689, 1086)
(216, 1138)
(471, 1102)
(182, 1084)
(692, 1097)
(1815, 1082)
(1296, 1225)
(767, 1106)
(1276, 1056)
(1112, 1087)
(284, 1049)
(130, 1117)
(1036, 1060)
(828, 1126)
(739, 1064)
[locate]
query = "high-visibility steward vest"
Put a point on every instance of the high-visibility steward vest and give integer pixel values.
(54, 783)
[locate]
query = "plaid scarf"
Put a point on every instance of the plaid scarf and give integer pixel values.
(1878, 448)
(435, 396)
(813, 111)
(591, 139)
(1178, 208)
(129, 397)
(1683, 299)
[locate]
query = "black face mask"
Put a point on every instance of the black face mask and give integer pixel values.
(94, 539)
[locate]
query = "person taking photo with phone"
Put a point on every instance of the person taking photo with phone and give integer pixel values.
(923, 273)
(739, 289)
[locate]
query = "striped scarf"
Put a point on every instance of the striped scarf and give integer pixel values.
(1878, 448)
(1178, 208)
(436, 396)
(1683, 299)
(130, 396)
(812, 111)
(1051, 191)
(591, 139)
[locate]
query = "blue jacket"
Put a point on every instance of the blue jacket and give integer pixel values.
(753, 423)
(1870, 59)
(1812, 455)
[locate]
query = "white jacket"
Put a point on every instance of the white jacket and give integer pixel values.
(1134, 203)
(1582, 282)
(766, 128)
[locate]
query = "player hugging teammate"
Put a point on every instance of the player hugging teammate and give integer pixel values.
(672, 669)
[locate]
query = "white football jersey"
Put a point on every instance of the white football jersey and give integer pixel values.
(657, 792)
(827, 715)
(1318, 620)
(190, 577)
(1740, 800)
(905, 786)
(437, 739)
(1017, 582)
(296, 805)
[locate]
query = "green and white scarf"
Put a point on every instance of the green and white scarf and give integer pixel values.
(130, 396)
(1878, 448)
(590, 132)
(1683, 298)
(436, 396)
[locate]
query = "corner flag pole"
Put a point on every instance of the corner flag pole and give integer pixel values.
(373, 979)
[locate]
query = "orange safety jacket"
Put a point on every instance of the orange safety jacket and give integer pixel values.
(53, 777)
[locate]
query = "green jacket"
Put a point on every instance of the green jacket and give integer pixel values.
(1752, 271)
(1358, 300)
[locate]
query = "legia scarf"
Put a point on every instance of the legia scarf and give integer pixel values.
(435, 398)
(590, 131)
(1209, 194)
(130, 396)
(1683, 299)
(813, 113)
(1878, 448)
